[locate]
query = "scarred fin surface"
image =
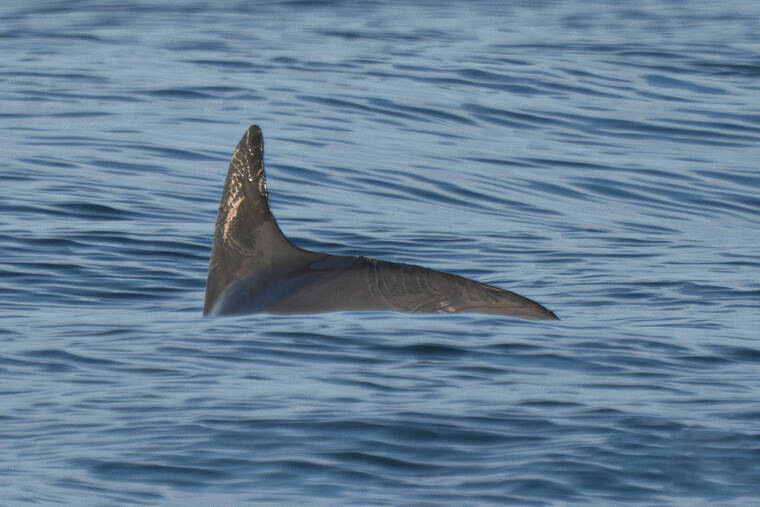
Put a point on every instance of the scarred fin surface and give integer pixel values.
(246, 238)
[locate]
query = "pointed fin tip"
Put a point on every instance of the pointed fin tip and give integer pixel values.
(249, 152)
(253, 135)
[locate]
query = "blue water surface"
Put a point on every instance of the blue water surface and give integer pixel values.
(598, 157)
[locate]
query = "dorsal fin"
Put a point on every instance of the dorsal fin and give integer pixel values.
(255, 268)
(247, 237)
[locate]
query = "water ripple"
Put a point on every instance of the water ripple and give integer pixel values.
(601, 159)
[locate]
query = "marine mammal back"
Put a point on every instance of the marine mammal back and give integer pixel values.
(254, 268)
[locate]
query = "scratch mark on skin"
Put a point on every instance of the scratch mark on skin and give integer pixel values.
(230, 217)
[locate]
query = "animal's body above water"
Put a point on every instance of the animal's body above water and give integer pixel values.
(254, 268)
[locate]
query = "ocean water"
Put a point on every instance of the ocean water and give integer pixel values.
(597, 157)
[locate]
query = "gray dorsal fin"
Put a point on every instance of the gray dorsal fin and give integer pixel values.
(247, 238)
(255, 268)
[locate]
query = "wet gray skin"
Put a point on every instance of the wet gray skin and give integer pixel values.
(254, 268)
